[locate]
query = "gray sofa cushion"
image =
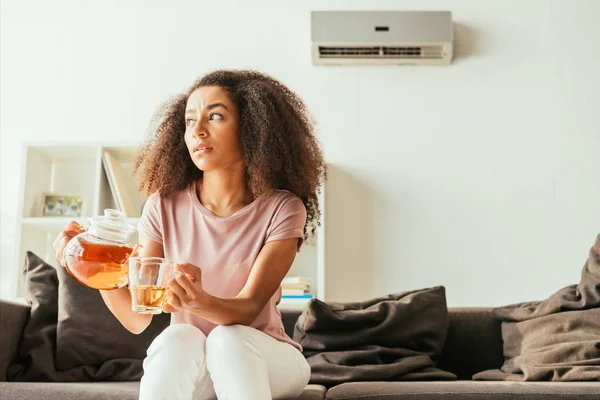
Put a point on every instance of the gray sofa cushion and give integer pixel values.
(465, 390)
(313, 392)
(70, 390)
(99, 391)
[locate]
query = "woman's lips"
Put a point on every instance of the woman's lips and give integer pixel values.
(202, 149)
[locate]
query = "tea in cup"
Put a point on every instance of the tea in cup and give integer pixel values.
(148, 278)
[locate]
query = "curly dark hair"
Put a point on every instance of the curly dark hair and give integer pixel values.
(278, 142)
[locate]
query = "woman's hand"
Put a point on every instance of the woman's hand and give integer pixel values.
(184, 289)
(60, 243)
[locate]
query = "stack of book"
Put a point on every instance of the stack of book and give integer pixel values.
(296, 287)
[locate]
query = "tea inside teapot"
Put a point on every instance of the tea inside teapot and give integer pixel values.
(98, 258)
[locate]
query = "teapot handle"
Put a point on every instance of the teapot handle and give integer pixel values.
(136, 250)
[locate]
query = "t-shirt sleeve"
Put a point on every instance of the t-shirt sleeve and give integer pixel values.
(288, 222)
(150, 222)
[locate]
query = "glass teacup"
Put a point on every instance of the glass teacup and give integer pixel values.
(148, 278)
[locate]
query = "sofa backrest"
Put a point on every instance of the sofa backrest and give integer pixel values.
(473, 343)
(13, 317)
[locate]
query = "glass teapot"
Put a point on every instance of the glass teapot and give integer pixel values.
(98, 257)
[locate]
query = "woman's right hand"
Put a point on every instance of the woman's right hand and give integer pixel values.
(60, 243)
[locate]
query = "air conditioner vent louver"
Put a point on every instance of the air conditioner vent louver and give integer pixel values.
(376, 52)
(349, 51)
(402, 51)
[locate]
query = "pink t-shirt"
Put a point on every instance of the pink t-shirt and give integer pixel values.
(225, 248)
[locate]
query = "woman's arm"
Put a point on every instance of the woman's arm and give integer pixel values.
(118, 301)
(269, 269)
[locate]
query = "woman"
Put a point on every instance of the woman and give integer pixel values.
(233, 169)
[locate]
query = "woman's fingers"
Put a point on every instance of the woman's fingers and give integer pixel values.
(181, 289)
(60, 245)
(167, 307)
(177, 290)
(186, 284)
(172, 302)
(194, 273)
(59, 237)
(72, 229)
(75, 226)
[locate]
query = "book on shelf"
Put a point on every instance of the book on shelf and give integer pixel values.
(122, 186)
(306, 296)
(295, 280)
(295, 286)
(293, 292)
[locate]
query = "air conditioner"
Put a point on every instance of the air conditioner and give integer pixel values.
(381, 37)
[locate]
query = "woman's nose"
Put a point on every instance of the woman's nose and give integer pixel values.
(200, 132)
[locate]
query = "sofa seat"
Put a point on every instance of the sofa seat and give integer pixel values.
(99, 391)
(69, 390)
(465, 390)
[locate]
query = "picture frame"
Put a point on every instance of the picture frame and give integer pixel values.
(62, 205)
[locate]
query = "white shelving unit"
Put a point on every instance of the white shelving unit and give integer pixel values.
(76, 169)
(64, 169)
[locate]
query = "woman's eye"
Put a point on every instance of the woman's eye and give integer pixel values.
(215, 116)
(189, 122)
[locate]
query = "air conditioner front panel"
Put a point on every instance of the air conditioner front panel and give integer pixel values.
(361, 26)
(381, 37)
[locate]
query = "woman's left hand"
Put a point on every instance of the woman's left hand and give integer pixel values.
(184, 290)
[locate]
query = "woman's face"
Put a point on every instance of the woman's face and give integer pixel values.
(212, 129)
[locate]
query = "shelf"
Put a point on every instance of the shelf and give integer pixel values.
(51, 220)
(61, 222)
(57, 153)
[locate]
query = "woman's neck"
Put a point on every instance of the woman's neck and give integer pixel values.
(224, 191)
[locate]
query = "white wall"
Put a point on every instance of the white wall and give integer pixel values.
(482, 176)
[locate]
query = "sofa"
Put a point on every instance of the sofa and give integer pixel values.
(474, 344)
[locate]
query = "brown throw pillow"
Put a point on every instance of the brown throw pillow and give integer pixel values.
(35, 356)
(88, 334)
(557, 339)
(71, 336)
(392, 338)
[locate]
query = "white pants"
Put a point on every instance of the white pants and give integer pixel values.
(235, 362)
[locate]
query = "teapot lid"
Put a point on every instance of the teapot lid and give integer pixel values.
(111, 225)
